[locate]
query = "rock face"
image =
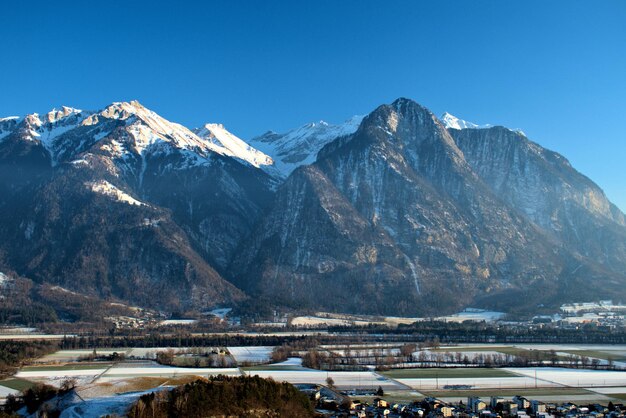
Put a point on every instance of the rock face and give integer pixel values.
(300, 146)
(394, 213)
(123, 204)
(547, 190)
(395, 219)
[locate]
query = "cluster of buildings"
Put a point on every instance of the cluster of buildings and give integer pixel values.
(495, 407)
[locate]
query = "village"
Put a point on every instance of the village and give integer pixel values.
(329, 404)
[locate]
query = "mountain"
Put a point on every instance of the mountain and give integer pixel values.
(396, 212)
(124, 204)
(394, 219)
(544, 186)
(452, 122)
(300, 146)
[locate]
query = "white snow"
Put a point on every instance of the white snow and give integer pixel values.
(574, 377)
(107, 189)
(232, 146)
(7, 125)
(341, 379)
(149, 129)
(221, 313)
(476, 382)
(4, 279)
(260, 354)
(300, 146)
(178, 322)
(473, 315)
(303, 321)
(117, 405)
(451, 121)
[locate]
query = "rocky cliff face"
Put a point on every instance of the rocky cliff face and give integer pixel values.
(545, 188)
(394, 213)
(124, 204)
(397, 213)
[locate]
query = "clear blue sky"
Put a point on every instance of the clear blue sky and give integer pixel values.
(556, 69)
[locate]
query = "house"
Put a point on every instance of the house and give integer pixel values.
(538, 407)
(476, 404)
(522, 402)
(495, 400)
(381, 403)
(446, 411)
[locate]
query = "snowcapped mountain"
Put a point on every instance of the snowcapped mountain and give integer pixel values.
(231, 145)
(400, 206)
(300, 146)
(153, 210)
(452, 122)
(67, 132)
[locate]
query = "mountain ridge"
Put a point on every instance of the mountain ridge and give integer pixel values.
(395, 205)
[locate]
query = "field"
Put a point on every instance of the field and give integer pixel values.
(99, 380)
(252, 355)
(433, 373)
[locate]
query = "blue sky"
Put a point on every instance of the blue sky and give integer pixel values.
(556, 69)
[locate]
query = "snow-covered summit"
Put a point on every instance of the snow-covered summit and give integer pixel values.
(233, 146)
(451, 121)
(300, 146)
(66, 132)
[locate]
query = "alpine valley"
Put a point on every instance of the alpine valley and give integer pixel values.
(395, 213)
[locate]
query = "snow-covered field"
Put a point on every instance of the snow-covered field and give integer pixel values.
(257, 355)
(121, 371)
(178, 322)
(309, 321)
(473, 315)
(574, 377)
(5, 391)
(127, 371)
(341, 379)
(476, 382)
(107, 405)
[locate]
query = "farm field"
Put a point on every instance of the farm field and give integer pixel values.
(107, 378)
(449, 372)
(254, 355)
(574, 377)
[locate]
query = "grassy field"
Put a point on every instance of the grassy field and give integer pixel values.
(449, 373)
(17, 384)
(67, 366)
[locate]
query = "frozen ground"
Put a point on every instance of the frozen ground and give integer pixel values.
(574, 377)
(256, 355)
(364, 380)
(5, 391)
(178, 322)
(303, 321)
(107, 405)
(476, 382)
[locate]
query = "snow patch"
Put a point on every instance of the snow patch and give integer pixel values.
(300, 146)
(232, 146)
(107, 189)
(452, 122)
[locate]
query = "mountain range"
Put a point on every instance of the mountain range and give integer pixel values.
(397, 212)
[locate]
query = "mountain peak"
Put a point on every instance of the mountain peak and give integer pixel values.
(452, 122)
(300, 146)
(226, 143)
